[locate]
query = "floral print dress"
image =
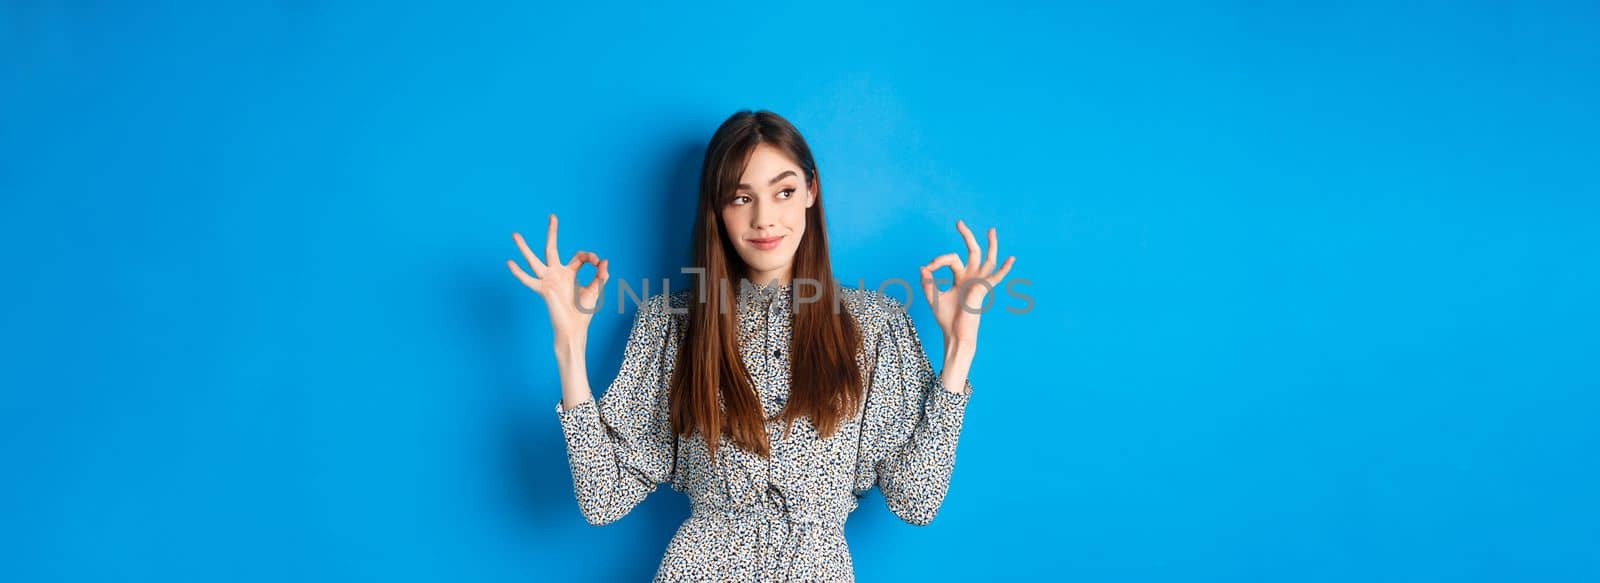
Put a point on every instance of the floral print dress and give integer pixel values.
(780, 518)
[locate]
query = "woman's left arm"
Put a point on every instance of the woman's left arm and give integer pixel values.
(914, 421)
(915, 475)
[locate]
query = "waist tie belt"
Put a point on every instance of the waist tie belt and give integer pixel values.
(800, 525)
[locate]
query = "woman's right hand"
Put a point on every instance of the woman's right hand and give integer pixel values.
(571, 307)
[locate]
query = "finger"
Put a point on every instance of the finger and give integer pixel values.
(988, 260)
(582, 257)
(527, 280)
(972, 244)
(550, 242)
(600, 276)
(950, 260)
(579, 259)
(1005, 268)
(533, 261)
(928, 289)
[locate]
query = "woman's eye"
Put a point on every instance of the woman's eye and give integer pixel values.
(790, 191)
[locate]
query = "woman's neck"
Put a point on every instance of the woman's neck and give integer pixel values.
(770, 279)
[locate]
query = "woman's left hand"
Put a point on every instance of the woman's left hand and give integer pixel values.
(972, 284)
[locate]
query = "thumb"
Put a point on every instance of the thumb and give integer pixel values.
(928, 288)
(601, 275)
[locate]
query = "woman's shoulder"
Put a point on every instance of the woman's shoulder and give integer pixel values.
(872, 309)
(659, 309)
(668, 304)
(675, 302)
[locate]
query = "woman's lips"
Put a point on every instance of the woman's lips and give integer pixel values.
(766, 244)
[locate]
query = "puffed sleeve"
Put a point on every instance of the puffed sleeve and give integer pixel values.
(912, 423)
(621, 448)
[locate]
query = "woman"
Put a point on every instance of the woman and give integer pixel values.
(810, 392)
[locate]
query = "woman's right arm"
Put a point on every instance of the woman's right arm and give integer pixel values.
(620, 448)
(574, 373)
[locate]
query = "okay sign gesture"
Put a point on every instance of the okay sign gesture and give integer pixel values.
(969, 288)
(571, 307)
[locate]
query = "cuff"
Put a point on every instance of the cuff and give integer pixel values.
(947, 408)
(966, 389)
(578, 420)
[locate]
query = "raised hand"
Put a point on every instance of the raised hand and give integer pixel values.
(968, 289)
(571, 307)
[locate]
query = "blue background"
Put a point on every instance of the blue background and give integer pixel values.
(1314, 288)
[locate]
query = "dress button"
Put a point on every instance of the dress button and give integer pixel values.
(777, 352)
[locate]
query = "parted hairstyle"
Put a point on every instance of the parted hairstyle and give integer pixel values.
(826, 383)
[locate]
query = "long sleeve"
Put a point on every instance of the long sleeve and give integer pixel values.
(914, 422)
(620, 449)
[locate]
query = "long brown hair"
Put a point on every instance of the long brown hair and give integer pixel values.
(825, 383)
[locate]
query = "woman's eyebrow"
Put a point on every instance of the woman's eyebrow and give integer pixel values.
(774, 180)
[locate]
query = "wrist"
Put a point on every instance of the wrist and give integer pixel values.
(569, 349)
(959, 348)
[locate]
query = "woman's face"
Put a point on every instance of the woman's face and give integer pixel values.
(770, 203)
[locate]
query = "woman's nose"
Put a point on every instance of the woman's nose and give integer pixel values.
(764, 216)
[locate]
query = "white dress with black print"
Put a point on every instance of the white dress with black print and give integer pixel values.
(779, 518)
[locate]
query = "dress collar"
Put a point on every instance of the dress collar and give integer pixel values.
(767, 295)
